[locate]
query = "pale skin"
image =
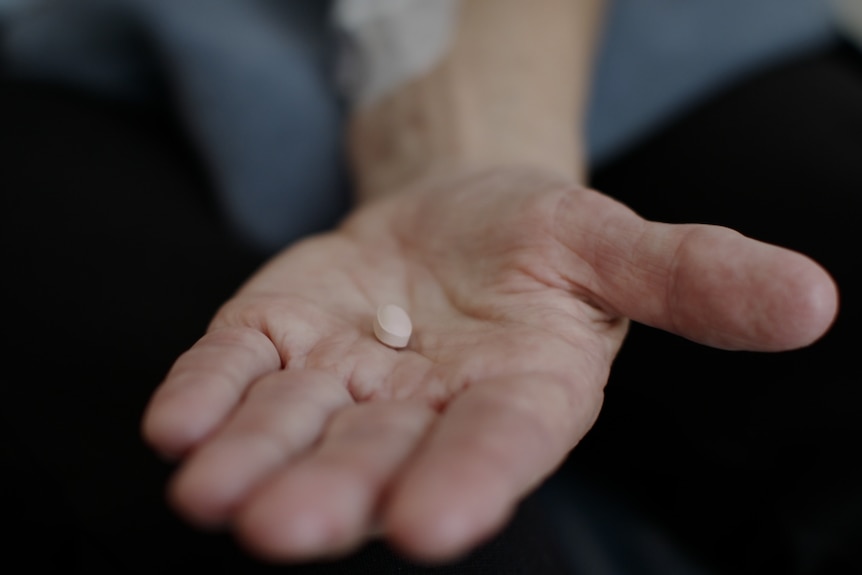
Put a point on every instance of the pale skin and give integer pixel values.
(304, 435)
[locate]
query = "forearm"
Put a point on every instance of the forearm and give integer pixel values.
(511, 90)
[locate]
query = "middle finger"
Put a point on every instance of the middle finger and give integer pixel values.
(325, 502)
(282, 414)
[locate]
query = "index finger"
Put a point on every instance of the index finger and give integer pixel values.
(204, 385)
(493, 444)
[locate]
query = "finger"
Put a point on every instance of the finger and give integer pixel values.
(204, 385)
(324, 503)
(281, 415)
(707, 283)
(492, 445)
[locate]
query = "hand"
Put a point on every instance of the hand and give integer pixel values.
(305, 434)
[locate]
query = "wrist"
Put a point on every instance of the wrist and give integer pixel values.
(442, 124)
(510, 91)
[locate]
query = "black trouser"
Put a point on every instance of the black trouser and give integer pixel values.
(751, 460)
(115, 259)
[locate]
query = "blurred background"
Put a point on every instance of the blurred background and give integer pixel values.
(156, 151)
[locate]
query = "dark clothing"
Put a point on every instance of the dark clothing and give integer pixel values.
(751, 460)
(116, 257)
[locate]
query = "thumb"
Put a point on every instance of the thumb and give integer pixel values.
(706, 283)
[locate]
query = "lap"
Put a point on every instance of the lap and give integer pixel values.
(116, 257)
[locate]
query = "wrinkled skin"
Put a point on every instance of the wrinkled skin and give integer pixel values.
(304, 434)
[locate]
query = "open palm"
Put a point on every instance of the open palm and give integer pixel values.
(305, 434)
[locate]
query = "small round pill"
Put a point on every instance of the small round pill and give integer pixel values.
(392, 326)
